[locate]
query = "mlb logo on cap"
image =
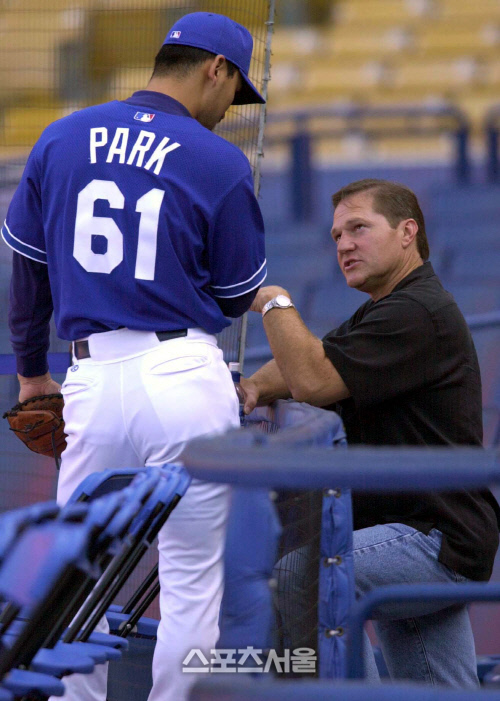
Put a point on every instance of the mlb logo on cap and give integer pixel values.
(144, 117)
(219, 34)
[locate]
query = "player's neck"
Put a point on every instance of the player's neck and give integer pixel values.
(184, 92)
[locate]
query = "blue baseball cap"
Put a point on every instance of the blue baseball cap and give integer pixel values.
(219, 35)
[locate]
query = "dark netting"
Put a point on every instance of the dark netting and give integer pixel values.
(244, 125)
(296, 573)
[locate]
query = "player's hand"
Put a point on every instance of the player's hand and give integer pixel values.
(265, 294)
(251, 394)
(35, 386)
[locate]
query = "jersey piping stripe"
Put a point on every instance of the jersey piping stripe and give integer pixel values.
(23, 248)
(245, 292)
(238, 284)
(38, 250)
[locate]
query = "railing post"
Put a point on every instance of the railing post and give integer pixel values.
(492, 165)
(462, 153)
(301, 173)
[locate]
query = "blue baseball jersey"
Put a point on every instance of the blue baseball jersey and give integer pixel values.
(144, 218)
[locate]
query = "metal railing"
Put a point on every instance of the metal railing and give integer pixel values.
(264, 463)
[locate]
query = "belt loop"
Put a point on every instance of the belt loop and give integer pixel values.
(81, 350)
(168, 335)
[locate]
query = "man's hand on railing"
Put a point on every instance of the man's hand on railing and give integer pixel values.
(251, 394)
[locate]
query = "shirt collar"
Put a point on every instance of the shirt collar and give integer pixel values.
(157, 101)
(421, 273)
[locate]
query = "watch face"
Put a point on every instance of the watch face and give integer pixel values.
(282, 301)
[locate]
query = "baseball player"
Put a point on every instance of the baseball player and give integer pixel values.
(138, 227)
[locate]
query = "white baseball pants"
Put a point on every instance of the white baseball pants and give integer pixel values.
(135, 402)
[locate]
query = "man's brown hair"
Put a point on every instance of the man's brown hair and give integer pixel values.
(394, 201)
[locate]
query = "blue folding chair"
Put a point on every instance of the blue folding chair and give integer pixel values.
(130, 675)
(57, 657)
(108, 537)
(12, 523)
(141, 532)
(57, 553)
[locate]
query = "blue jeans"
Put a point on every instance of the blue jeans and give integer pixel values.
(428, 643)
(423, 642)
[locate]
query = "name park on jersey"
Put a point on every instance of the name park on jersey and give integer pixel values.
(146, 150)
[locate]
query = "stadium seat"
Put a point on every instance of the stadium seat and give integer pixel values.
(124, 81)
(296, 272)
(460, 38)
(477, 263)
(40, 31)
(23, 125)
(374, 42)
(124, 38)
(469, 9)
(382, 11)
(290, 43)
(473, 297)
(487, 342)
(330, 302)
(491, 424)
(434, 74)
(318, 78)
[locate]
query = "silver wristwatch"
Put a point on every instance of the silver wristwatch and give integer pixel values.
(280, 302)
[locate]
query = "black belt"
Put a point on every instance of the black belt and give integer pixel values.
(81, 348)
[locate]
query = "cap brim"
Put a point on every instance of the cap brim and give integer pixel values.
(248, 95)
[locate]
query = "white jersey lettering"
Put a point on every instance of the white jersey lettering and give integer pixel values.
(96, 143)
(143, 144)
(159, 154)
(118, 145)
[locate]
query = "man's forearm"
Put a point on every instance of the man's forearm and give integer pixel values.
(300, 357)
(270, 384)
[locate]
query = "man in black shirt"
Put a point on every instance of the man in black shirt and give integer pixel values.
(401, 371)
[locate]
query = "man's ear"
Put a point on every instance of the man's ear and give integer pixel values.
(215, 67)
(409, 232)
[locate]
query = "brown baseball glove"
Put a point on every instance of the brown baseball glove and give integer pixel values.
(38, 422)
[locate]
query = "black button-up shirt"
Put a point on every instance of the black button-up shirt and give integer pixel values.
(410, 365)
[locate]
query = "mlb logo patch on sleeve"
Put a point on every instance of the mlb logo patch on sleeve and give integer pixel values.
(144, 117)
